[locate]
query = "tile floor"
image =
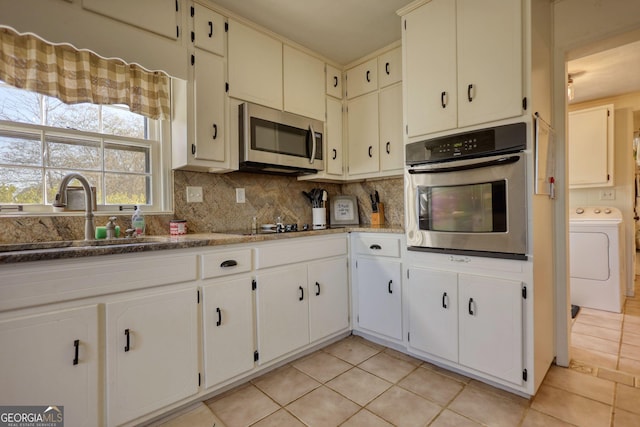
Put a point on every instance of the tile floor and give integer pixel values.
(358, 383)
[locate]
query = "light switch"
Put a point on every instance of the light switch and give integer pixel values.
(240, 195)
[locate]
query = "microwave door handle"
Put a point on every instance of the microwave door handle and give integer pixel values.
(312, 158)
(497, 162)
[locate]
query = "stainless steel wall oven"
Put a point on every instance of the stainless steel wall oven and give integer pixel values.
(467, 193)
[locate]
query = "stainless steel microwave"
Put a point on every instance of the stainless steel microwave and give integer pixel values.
(274, 141)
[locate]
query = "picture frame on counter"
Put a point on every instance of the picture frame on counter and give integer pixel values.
(344, 211)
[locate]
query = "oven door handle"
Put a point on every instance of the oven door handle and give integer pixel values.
(497, 162)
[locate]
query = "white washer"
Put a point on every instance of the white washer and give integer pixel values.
(597, 265)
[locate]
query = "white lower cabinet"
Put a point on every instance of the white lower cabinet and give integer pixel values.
(474, 321)
(53, 359)
(227, 317)
(328, 298)
(151, 353)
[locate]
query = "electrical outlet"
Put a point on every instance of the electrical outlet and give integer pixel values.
(609, 194)
(240, 195)
(194, 194)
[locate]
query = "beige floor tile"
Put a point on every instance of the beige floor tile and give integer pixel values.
(403, 408)
(616, 376)
(366, 342)
(387, 367)
(630, 351)
(352, 350)
(534, 418)
(634, 328)
(402, 356)
(571, 407)
(488, 408)
(200, 416)
(585, 385)
(280, 418)
(323, 407)
(601, 314)
(622, 418)
(447, 373)
(359, 386)
(499, 392)
(431, 385)
(590, 319)
(632, 318)
(322, 366)
(596, 331)
(631, 338)
(631, 366)
(594, 357)
(286, 384)
(593, 343)
(365, 418)
(628, 398)
(451, 419)
(243, 407)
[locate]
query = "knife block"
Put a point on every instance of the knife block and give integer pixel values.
(377, 218)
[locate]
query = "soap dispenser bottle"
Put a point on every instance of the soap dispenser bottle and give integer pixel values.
(137, 222)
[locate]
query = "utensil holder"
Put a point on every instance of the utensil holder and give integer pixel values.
(377, 218)
(319, 218)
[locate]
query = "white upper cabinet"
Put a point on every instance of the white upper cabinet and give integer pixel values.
(362, 124)
(390, 67)
(362, 78)
(463, 64)
(334, 155)
(255, 66)
(208, 29)
(334, 82)
(591, 147)
(304, 84)
(390, 119)
(209, 94)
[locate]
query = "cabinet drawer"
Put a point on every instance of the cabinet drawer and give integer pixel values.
(375, 245)
(219, 264)
(299, 250)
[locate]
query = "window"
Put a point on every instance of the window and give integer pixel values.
(42, 139)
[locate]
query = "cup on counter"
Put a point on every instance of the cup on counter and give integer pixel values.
(319, 218)
(178, 227)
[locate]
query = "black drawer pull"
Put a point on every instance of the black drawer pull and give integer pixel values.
(388, 147)
(368, 79)
(301, 293)
(127, 347)
(219, 322)
(471, 307)
(228, 263)
(335, 154)
(317, 289)
(375, 247)
(335, 81)
(442, 99)
(210, 29)
(370, 151)
(469, 97)
(445, 300)
(215, 131)
(389, 286)
(76, 344)
(386, 68)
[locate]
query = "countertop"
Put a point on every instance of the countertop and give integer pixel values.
(25, 252)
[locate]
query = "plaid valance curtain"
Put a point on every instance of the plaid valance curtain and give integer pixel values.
(75, 76)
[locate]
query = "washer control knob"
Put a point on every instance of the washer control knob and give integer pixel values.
(579, 211)
(596, 211)
(607, 211)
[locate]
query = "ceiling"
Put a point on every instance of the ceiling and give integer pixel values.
(340, 30)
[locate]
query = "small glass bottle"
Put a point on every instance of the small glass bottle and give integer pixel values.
(254, 225)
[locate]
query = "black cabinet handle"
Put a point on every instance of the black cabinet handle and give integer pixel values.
(127, 347)
(442, 99)
(301, 293)
(370, 151)
(335, 81)
(375, 246)
(317, 289)
(386, 68)
(219, 322)
(471, 303)
(368, 79)
(228, 263)
(210, 29)
(193, 149)
(76, 345)
(389, 286)
(469, 88)
(388, 147)
(445, 297)
(215, 131)
(335, 154)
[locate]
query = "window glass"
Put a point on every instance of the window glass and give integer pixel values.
(123, 158)
(74, 154)
(54, 177)
(127, 189)
(19, 185)
(84, 117)
(117, 120)
(19, 148)
(19, 105)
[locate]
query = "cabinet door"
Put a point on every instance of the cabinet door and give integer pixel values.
(489, 60)
(430, 76)
(591, 147)
(208, 29)
(227, 316)
(390, 67)
(334, 82)
(209, 94)
(334, 137)
(283, 311)
(255, 66)
(490, 328)
(380, 296)
(52, 359)
(328, 298)
(362, 120)
(304, 81)
(391, 141)
(152, 353)
(433, 312)
(362, 78)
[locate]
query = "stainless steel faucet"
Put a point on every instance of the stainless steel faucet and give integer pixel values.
(61, 200)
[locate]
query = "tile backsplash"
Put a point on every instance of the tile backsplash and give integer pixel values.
(267, 197)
